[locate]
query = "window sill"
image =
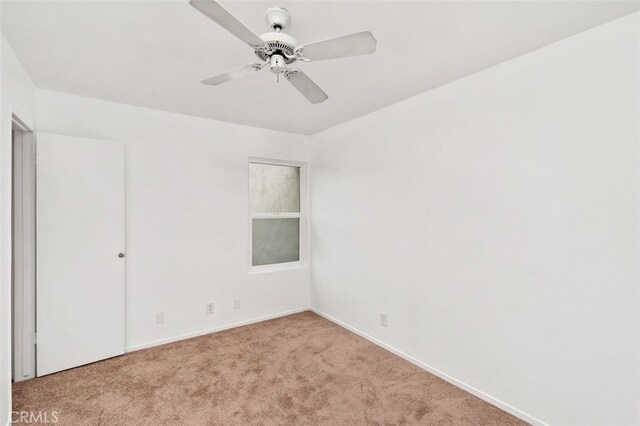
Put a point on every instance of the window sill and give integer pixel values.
(276, 268)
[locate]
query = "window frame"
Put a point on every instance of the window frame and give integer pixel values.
(302, 243)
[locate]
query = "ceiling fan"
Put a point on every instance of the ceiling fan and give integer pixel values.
(278, 49)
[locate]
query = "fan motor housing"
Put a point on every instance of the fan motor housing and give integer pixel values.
(279, 44)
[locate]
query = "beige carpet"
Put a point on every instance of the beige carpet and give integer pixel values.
(296, 370)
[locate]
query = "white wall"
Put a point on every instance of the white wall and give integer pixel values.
(19, 98)
(495, 221)
(186, 208)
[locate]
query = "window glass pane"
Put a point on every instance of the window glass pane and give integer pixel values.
(275, 241)
(274, 189)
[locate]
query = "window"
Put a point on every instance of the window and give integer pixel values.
(276, 209)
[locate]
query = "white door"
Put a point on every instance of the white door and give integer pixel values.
(79, 243)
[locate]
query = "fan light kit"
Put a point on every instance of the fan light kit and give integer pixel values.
(278, 49)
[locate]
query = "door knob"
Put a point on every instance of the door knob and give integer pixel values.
(120, 254)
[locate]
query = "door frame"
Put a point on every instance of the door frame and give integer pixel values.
(23, 262)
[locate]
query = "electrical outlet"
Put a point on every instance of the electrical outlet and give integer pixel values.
(236, 303)
(210, 309)
(160, 318)
(383, 319)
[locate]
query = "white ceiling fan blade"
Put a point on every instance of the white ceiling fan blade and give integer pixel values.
(233, 74)
(306, 86)
(226, 20)
(350, 45)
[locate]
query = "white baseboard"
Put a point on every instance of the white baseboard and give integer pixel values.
(134, 348)
(474, 391)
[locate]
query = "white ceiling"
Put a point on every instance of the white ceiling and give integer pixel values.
(154, 54)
